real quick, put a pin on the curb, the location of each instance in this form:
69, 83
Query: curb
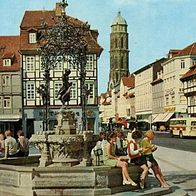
157, 191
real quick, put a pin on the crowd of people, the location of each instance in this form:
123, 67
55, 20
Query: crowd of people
137, 148
13, 147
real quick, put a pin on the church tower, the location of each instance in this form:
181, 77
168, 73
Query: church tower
119, 52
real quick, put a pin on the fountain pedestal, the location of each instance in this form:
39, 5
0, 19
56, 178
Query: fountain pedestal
62, 146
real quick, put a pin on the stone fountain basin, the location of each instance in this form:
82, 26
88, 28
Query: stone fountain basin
29, 180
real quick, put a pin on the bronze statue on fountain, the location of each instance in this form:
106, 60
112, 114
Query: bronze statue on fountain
65, 90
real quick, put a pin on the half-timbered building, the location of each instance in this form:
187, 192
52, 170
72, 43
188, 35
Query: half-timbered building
33, 74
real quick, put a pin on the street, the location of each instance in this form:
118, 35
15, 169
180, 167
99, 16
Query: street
164, 139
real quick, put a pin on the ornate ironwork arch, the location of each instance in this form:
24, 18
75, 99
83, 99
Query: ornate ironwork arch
63, 42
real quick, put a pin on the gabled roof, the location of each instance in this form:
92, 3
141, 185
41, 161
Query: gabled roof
9, 47
190, 73
129, 81
35, 19
189, 50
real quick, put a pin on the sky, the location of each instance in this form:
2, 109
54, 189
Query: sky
154, 26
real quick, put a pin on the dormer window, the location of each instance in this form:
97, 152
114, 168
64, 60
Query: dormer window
6, 62
32, 38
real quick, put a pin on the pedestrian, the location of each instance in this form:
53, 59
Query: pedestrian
2, 144
110, 159
10, 145
134, 151
23, 144
148, 149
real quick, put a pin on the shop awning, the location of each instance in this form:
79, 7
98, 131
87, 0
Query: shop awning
10, 118
167, 116
164, 117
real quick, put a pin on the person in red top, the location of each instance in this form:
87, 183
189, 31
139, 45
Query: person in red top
134, 152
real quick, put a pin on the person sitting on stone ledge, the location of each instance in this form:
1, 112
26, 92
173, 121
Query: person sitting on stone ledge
110, 159
10, 145
23, 144
119, 143
134, 151
97, 151
148, 149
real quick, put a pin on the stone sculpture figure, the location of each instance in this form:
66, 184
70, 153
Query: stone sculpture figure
65, 90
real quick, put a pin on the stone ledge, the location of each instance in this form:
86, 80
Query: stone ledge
76, 180
21, 160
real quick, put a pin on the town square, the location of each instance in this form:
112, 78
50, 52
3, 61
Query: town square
97, 97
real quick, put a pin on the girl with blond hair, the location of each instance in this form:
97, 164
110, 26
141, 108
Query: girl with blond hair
148, 149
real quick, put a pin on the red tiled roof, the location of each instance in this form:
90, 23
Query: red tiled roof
9, 47
129, 81
34, 19
190, 73
189, 50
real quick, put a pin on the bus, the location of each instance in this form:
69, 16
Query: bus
183, 127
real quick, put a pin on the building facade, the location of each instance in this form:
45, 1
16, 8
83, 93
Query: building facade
174, 68
143, 93
119, 51
10, 84
32, 72
189, 88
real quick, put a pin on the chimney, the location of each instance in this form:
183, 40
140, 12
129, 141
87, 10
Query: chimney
58, 9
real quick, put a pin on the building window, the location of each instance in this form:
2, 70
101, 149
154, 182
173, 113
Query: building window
32, 38
59, 63
6, 62
194, 62
89, 63
6, 80
30, 91
122, 42
182, 64
116, 42
69, 63
167, 100
121, 62
173, 99
90, 87
193, 100
30, 63
73, 93
1, 102
59, 66
57, 87
182, 99
7, 102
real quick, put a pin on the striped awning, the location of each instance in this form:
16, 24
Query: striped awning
164, 117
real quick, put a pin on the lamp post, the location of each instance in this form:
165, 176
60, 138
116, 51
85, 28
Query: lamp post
63, 41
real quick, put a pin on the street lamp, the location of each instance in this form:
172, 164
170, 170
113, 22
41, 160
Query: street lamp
63, 42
